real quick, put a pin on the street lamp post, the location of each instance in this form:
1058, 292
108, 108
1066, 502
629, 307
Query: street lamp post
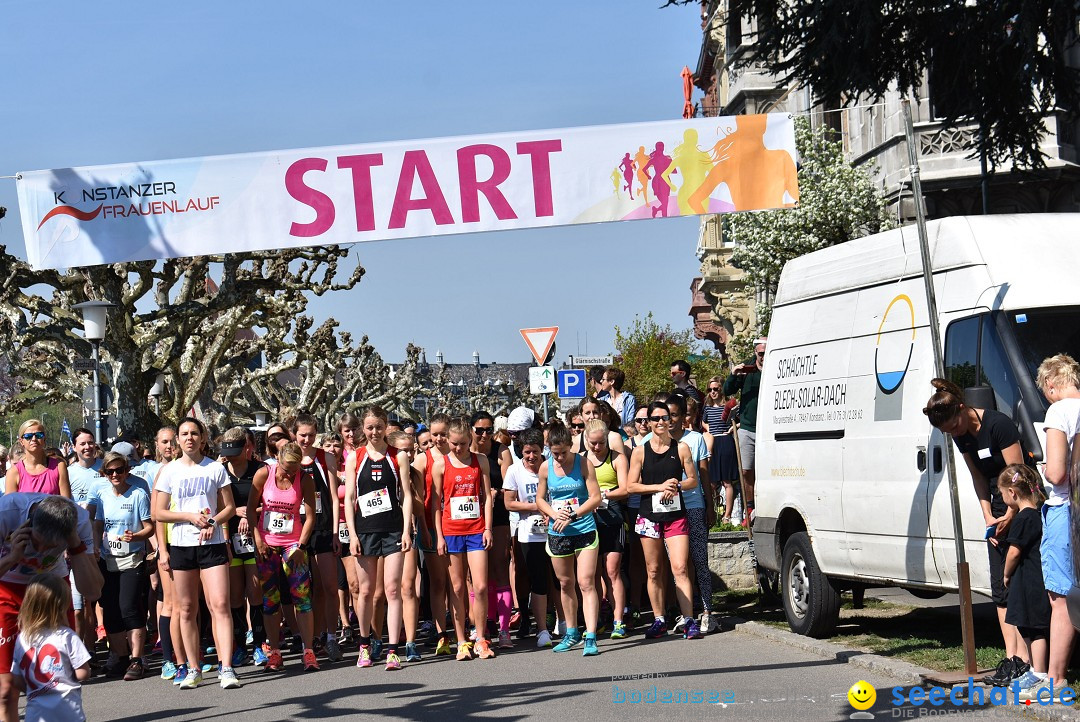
156, 391
94, 319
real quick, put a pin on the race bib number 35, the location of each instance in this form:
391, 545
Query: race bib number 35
464, 507
278, 522
375, 502
660, 504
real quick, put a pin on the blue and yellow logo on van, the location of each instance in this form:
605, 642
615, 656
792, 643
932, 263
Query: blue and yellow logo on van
894, 346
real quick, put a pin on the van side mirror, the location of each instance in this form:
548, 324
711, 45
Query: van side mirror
980, 397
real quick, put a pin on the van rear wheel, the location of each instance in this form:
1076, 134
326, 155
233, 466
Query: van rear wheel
811, 603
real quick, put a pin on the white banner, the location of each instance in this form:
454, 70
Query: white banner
256, 201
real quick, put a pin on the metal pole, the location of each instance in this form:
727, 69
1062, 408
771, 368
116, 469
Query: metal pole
967, 628
97, 395
545, 408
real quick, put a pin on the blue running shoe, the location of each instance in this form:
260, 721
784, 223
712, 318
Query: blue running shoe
181, 672
591, 649
376, 649
260, 656
657, 630
239, 657
571, 639
411, 653
168, 670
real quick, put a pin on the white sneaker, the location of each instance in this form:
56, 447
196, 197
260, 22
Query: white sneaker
227, 679
680, 624
708, 623
543, 639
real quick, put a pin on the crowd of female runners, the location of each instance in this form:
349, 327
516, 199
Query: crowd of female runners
306, 539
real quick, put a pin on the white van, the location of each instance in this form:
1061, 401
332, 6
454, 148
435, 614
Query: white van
851, 488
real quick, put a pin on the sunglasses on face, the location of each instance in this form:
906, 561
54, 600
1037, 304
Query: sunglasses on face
577, 426
481, 430
115, 471
714, 388
660, 419
39, 435
641, 420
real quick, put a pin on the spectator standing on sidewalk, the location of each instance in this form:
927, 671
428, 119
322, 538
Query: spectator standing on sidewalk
745, 380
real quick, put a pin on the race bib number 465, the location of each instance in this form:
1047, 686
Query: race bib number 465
375, 502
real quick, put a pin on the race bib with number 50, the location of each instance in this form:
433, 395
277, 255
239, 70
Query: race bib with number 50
343, 532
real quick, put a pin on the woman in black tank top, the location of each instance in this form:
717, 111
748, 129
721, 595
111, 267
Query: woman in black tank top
238, 448
660, 469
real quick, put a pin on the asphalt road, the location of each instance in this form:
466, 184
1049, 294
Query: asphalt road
751, 678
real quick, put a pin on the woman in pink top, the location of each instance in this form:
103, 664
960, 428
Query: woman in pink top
281, 545
36, 471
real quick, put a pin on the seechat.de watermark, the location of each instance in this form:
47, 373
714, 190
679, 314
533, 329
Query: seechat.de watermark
914, 702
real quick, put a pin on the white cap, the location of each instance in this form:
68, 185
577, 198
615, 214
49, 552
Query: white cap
520, 419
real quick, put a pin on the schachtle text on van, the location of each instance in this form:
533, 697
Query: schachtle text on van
797, 366
809, 397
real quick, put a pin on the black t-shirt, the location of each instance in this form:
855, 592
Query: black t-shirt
996, 434
241, 488
323, 515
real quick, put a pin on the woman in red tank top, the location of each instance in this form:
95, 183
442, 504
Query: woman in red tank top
462, 489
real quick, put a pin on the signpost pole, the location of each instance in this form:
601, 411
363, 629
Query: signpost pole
97, 395
545, 408
967, 628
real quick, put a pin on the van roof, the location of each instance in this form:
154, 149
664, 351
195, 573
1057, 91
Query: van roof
1015, 248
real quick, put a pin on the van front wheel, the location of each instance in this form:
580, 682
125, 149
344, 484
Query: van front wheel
811, 603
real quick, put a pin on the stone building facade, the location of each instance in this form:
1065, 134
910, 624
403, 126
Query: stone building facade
872, 132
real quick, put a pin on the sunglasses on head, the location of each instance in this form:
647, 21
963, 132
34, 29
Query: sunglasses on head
39, 435
481, 430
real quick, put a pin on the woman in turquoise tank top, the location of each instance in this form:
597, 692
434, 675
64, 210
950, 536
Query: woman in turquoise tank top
568, 494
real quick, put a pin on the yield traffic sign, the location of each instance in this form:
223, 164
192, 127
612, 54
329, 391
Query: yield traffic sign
539, 341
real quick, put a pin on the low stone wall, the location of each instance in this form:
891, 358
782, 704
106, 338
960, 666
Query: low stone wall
730, 561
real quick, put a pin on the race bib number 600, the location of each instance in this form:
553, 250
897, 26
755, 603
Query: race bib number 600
464, 507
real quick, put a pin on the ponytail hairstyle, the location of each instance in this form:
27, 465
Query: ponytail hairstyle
1024, 480
558, 434
946, 403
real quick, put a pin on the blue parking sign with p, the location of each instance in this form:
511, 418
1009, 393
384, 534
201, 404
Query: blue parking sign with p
571, 383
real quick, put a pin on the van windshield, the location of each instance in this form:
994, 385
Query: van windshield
1043, 332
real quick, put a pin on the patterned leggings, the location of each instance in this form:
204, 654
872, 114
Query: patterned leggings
699, 555
294, 563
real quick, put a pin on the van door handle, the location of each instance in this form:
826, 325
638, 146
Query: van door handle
937, 459
920, 459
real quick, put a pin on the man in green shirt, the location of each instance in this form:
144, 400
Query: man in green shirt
746, 381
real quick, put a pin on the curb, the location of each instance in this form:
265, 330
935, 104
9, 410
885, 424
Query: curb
908, 673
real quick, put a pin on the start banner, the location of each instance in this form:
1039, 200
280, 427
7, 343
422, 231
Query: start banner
379, 191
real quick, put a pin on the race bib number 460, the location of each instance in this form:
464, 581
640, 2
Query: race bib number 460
464, 507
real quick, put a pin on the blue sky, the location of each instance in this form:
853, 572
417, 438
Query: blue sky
98, 83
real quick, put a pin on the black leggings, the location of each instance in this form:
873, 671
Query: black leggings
123, 598
539, 564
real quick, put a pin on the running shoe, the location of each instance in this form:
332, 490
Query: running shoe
543, 639
692, 630
411, 653
239, 657
249, 638
484, 650
376, 649
524, 626
168, 670
260, 655
464, 651
116, 666
1043, 692
657, 630
571, 639
211, 650
708, 623
504, 640
227, 679
192, 680
393, 662
311, 662
680, 624
1029, 680
206, 667
515, 619
443, 647
181, 673
346, 636
135, 671
317, 643
274, 662
333, 650
591, 649
364, 660
426, 630
618, 631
